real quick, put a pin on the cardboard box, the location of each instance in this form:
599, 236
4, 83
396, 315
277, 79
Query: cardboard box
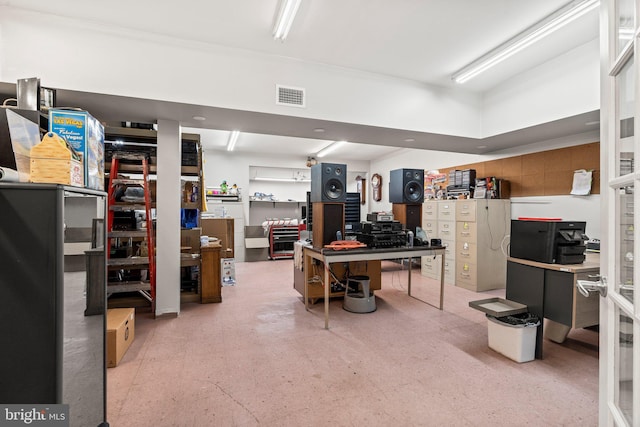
54, 161
120, 333
190, 238
86, 135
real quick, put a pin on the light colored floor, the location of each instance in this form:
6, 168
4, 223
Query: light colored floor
258, 358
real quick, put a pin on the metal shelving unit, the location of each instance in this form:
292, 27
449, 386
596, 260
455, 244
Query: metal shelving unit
281, 240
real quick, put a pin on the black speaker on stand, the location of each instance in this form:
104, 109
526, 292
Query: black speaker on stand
328, 195
406, 186
328, 183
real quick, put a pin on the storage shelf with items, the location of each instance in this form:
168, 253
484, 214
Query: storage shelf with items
192, 202
130, 231
281, 240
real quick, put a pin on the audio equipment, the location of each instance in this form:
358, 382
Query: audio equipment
383, 240
309, 212
328, 220
409, 215
352, 213
379, 216
406, 186
436, 242
381, 227
328, 182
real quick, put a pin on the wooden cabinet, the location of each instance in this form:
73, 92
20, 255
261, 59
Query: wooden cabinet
210, 274
473, 232
223, 229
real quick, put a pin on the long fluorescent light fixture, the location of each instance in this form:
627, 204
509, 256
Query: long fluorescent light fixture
330, 148
288, 10
259, 178
233, 138
548, 25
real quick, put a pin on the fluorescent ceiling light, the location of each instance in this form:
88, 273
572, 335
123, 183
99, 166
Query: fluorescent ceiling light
233, 138
328, 149
548, 25
259, 178
288, 10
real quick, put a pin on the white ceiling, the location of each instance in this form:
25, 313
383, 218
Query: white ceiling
420, 40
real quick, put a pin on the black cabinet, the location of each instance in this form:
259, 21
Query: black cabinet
52, 353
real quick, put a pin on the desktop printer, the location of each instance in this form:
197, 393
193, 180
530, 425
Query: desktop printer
548, 241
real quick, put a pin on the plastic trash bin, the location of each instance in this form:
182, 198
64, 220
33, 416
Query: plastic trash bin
514, 336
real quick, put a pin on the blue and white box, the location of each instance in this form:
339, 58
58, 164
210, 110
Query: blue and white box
86, 135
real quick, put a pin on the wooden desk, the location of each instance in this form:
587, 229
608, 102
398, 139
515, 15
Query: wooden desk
328, 256
550, 292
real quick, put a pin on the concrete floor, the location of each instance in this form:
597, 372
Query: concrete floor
258, 358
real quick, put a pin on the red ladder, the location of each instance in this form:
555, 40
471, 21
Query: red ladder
133, 262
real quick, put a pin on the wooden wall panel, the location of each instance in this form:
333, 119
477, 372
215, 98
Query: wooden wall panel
533, 164
546, 173
585, 157
512, 166
493, 168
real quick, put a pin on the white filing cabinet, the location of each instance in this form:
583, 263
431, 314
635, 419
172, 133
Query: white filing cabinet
439, 221
481, 227
473, 232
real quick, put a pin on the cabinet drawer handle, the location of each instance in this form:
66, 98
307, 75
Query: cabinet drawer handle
467, 254
465, 275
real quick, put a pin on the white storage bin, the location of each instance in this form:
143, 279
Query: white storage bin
517, 342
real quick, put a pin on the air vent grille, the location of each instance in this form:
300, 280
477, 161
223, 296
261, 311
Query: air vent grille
291, 96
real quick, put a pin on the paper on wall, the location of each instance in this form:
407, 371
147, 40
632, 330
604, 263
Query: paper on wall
581, 182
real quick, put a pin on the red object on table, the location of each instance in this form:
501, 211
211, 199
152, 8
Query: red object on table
526, 218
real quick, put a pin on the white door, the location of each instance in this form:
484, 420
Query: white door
620, 307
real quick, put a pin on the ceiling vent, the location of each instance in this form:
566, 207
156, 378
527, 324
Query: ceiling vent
291, 96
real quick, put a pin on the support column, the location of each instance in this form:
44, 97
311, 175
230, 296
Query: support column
168, 218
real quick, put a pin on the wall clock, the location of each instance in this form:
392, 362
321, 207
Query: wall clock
376, 187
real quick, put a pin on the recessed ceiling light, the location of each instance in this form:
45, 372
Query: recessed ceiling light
200, 118
409, 140
319, 130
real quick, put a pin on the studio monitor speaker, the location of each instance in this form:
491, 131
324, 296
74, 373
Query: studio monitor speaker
329, 182
406, 186
328, 219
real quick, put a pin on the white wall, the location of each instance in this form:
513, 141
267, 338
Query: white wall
569, 208
94, 58
234, 168
563, 87
91, 57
